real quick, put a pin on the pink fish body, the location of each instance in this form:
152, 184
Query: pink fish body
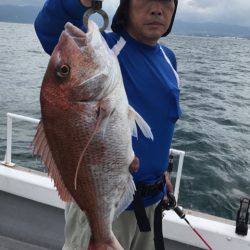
84, 137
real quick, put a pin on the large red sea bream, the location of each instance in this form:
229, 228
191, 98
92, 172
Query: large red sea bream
84, 137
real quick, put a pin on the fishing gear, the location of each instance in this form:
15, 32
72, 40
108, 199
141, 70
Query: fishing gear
242, 217
172, 204
167, 204
96, 7
170, 163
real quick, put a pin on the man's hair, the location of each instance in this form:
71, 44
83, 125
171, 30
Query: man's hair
120, 19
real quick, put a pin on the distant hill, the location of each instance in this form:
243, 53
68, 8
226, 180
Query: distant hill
22, 2
18, 14
210, 29
27, 12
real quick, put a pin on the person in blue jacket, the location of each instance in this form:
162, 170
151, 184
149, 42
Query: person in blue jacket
152, 86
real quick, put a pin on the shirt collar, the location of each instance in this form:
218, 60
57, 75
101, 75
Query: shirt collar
129, 38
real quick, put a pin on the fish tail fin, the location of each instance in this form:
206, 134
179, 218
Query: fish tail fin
112, 244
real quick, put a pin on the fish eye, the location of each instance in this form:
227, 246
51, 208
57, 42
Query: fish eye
63, 71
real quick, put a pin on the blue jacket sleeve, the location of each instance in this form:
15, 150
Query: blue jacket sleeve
50, 21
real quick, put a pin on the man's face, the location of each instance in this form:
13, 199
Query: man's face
150, 19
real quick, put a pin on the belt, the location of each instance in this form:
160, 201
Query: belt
150, 189
143, 190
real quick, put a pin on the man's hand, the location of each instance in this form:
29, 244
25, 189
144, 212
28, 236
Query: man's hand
168, 183
169, 187
86, 3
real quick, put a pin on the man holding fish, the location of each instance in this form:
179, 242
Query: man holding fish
151, 84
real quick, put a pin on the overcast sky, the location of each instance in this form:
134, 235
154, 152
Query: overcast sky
222, 11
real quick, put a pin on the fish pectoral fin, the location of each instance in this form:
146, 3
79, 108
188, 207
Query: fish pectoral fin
105, 121
41, 148
103, 113
142, 124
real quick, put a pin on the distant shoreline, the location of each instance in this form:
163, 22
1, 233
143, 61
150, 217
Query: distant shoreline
27, 13
173, 33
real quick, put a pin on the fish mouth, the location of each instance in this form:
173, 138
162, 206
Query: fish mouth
81, 38
77, 35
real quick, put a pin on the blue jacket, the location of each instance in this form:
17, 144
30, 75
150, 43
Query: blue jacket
150, 83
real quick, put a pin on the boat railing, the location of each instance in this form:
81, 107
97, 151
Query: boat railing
8, 155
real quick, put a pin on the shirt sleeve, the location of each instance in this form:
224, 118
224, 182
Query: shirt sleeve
50, 21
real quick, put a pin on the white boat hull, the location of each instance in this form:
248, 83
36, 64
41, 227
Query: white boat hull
220, 233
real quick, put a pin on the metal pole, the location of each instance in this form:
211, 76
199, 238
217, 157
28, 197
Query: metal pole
10, 116
23, 118
179, 174
7, 161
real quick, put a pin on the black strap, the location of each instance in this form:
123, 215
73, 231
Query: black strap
170, 203
143, 222
140, 213
143, 190
158, 236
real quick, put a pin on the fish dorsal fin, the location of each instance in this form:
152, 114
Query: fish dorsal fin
144, 127
41, 148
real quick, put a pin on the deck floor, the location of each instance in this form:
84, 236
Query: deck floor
29, 225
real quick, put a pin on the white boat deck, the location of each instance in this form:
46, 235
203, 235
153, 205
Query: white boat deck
25, 224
